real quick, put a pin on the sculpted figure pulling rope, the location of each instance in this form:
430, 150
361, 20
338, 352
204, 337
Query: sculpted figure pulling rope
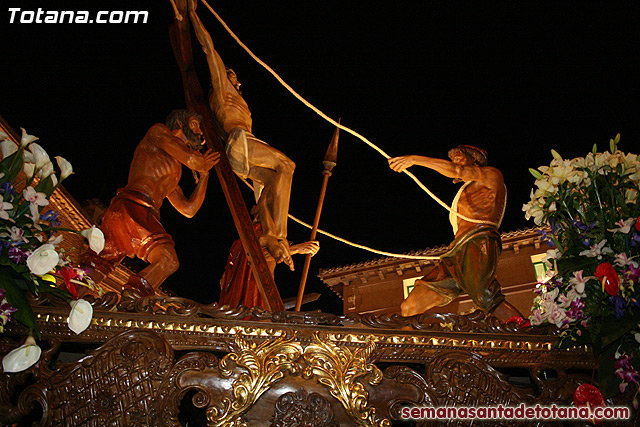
470, 263
269, 169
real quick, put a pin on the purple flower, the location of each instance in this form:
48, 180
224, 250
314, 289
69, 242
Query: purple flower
618, 306
5, 311
52, 217
7, 188
576, 309
546, 237
632, 273
17, 255
624, 371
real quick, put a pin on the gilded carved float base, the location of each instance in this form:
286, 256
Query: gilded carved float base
172, 362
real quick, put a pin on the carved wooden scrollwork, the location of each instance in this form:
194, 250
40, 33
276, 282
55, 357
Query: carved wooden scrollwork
340, 369
465, 379
302, 409
112, 386
262, 365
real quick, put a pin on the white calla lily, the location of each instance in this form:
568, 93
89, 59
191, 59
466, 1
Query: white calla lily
40, 157
47, 169
8, 148
3, 135
26, 138
65, 167
95, 237
23, 357
43, 260
29, 169
80, 315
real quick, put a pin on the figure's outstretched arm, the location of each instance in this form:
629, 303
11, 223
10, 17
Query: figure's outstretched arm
447, 168
216, 65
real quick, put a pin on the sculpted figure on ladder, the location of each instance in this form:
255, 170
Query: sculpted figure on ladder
470, 263
269, 169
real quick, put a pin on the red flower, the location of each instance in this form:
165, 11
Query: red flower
69, 273
609, 278
590, 396
638, 224
519, 320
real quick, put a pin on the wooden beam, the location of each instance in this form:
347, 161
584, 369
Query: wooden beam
181, 42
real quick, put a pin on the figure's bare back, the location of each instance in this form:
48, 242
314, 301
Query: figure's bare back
152, 170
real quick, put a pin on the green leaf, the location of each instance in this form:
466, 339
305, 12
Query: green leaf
45, 186
608, 384
15, 297
594, 150
613, 330
617, 138
535, 173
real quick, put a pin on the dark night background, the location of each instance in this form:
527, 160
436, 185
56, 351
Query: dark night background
516, 78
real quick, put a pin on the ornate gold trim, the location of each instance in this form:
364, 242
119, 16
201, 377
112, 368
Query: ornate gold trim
339, 369
263, 366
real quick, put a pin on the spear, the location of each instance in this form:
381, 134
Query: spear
329, 163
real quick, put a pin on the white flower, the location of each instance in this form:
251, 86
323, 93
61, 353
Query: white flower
65, 168
578, 281
23, 357
550, 258
622, 260
623, 226
43, 260
29, 169
631, 195
46, 170
95, 237
26, 138
40, 157
4, 207
80, 316
35, 197
546, 186
16, 234
597, 250
55, 240
3, 135
637, 336
8, 148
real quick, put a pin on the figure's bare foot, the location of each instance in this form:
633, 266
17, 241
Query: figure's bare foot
420, 300
279, 249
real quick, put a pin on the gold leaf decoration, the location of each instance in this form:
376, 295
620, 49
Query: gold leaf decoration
263, 365
339, 369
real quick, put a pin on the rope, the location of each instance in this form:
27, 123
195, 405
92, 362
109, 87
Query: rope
355, 245
336, 124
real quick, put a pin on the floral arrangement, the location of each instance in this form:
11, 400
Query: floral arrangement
30, 236
590, 208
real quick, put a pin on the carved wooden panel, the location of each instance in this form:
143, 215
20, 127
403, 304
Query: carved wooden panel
166, 362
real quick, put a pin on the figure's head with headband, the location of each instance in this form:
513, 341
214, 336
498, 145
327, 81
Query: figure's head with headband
478, 155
